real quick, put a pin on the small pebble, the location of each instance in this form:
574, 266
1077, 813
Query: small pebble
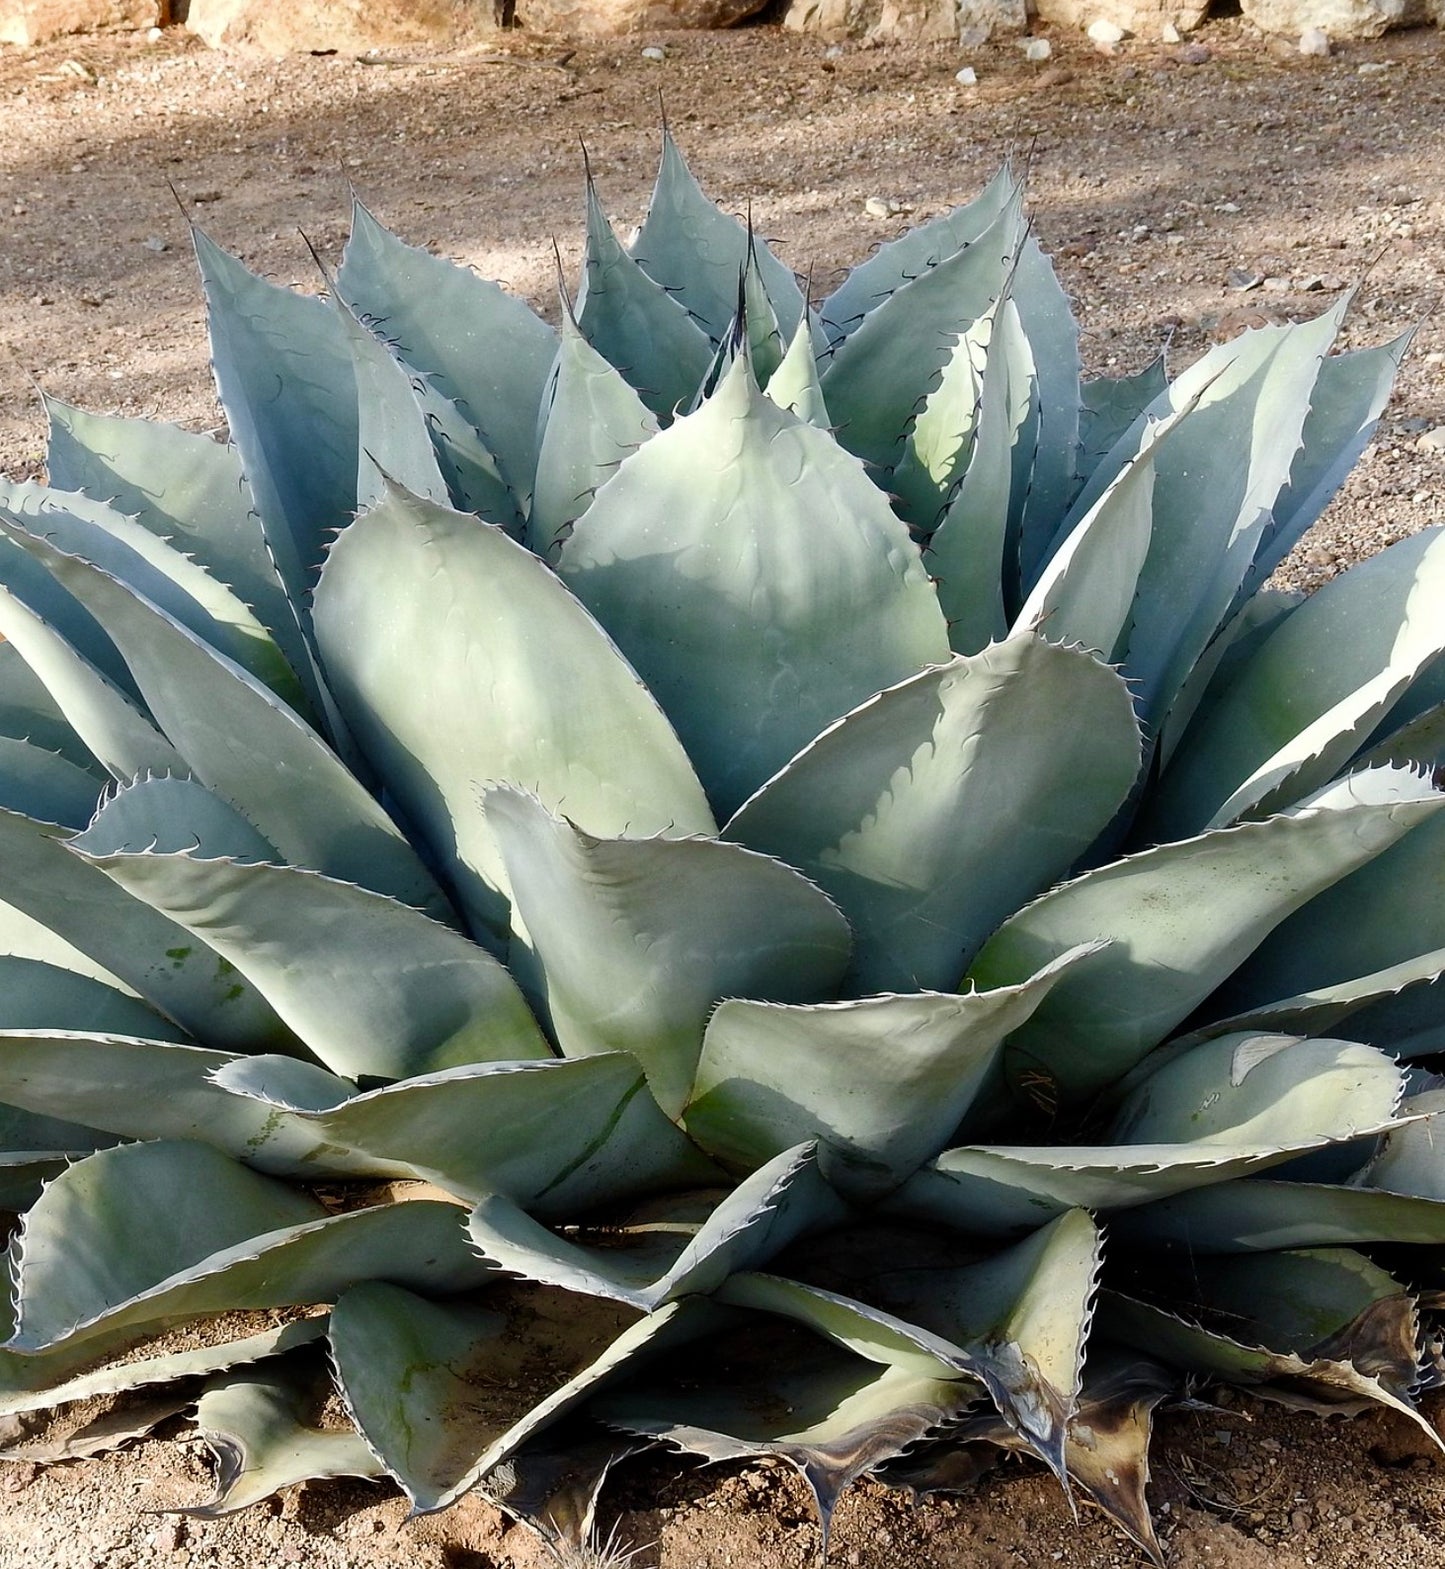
1104, 31
833, 52
154, 35
169, 1536
1037, 49
1432, 440
1194, 54
19, 1476
1277, 285
1315, 41
1372, 68
654, 52
967, 77
880, 207
1170, 34
156, 244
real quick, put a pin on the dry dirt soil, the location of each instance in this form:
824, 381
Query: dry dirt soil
1163, 179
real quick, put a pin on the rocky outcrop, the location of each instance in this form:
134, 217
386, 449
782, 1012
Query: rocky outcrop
908, 21
833, 18
1142, 18
355, 26
973, 21
35, 21
350, 26
1337, 19
603, 18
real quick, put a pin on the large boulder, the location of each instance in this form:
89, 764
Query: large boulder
605, 18
1145, 18
908, 21
35, 21
280, 27
1337, 18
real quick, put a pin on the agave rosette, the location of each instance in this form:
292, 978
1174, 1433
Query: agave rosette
777, 821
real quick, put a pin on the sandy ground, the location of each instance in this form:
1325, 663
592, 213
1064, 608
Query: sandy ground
1162, 179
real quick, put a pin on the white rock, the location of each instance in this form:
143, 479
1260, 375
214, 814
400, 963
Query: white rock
1337, 18
1103, 31
1037, 49
878, 207
998, 16
1315, 41
300, 25
36, 21
969, 22
1170, 34
1138, 18
654, 52
1432, 440
967, 77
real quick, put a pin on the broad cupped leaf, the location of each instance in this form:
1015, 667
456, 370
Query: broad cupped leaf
165, 575
677, 1248
255, 1427
1181, 918
188, 490
631, 943
882, 1082
1313, 693
895, 810
245, 743
371, 986
780, 593
460, 662
239, 1241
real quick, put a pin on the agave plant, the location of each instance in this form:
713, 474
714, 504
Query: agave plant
662, 880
